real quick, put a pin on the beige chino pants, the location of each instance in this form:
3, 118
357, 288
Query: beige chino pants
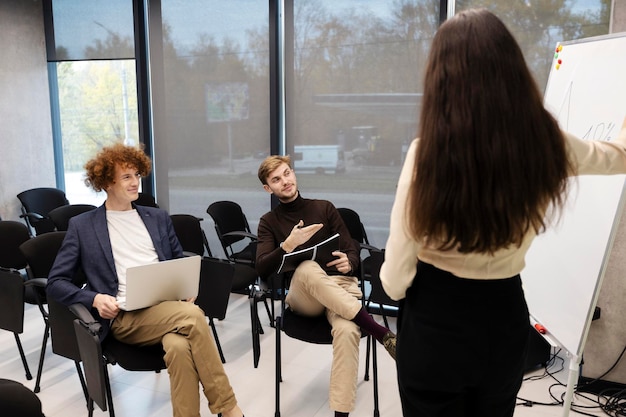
312, 293
191, 355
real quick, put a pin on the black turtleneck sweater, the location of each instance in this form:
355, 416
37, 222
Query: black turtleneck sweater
275, 226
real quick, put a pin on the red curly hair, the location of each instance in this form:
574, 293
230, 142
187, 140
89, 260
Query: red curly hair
101, 169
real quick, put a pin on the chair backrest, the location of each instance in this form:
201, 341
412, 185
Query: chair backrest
146, 200
216, 280
18, 400
12, 235
377, 294
353, 222
39, 202
190, 234
40, 253
11, 300
229, 217
61, 216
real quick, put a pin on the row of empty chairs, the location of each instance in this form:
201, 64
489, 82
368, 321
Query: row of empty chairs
46, 209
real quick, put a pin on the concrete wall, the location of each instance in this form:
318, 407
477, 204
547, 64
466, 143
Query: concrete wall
607, 336
25, 127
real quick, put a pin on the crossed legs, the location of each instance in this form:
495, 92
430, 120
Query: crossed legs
191, 355
312, 293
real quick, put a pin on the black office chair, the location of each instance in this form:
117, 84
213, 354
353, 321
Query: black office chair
239, 245
311, 330
16, 289
190, 234
40, 252
12, 235
378, 302
37, 204
352, 220
97, 355
17, 400
12, 290
216, 275
216, 279
61, 216
146, 200
233, 231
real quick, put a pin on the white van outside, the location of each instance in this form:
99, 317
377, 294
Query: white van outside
319, 159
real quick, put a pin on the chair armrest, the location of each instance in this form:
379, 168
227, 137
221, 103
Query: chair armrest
83, 314
36, 282
242, 233
32, 216
365, 246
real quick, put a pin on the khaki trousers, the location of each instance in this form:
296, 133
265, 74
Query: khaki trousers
312, 293
191, 355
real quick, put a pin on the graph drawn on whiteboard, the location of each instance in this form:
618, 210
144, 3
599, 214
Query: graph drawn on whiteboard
605, 130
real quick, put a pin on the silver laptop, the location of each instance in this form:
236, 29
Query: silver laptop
147, 285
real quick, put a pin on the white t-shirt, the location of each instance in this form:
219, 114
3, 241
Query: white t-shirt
131, 244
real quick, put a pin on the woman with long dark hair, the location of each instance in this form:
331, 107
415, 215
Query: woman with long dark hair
488, 172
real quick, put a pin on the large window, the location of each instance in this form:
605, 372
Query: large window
353, 98
216, 107
212, 100
97, 107
538, 25
93, 84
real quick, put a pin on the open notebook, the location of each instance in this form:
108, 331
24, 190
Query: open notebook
175, 279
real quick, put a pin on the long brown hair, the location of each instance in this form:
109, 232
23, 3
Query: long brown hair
490, 158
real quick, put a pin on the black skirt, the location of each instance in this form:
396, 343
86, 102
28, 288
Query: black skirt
461, 345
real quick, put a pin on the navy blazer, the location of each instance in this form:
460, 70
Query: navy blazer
87, 245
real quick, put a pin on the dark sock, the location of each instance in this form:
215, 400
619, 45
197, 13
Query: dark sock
367, 323
340, 414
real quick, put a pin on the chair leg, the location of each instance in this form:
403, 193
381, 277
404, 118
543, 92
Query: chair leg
42, 355
385, 321
107, 383
90, 407
270, 314
375, 372
256, 330
272, 319
278, 377
217, 340
29, 376
367, 358
83, 384
256, 296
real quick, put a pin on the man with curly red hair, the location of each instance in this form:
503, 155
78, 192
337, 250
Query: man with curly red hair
120, 234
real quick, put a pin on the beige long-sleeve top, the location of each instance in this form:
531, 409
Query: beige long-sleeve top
402, 251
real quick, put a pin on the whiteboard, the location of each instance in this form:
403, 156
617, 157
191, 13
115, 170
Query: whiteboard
586, 92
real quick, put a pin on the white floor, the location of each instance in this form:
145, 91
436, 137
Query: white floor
304, 390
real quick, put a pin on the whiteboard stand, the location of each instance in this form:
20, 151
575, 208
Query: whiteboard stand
572, 380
